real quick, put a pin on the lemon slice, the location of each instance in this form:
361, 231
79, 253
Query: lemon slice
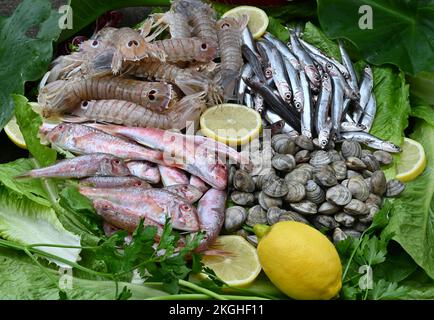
240, 266
12, 129
232, 124
412, 161
258, 19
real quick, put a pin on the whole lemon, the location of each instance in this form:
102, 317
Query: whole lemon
300, 261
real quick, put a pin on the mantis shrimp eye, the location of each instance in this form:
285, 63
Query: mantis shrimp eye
132, 43
225, 26
203, 47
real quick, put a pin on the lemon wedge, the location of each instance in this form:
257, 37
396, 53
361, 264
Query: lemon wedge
232, 124
240, 266
412, 161
258, 19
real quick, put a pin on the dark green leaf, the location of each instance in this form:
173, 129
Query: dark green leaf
384, 290
412, 221
22, 58
29, 122
125, 294
425, 113
315, 36
421, 87
401, 31
84, 12
276, 28
397, 267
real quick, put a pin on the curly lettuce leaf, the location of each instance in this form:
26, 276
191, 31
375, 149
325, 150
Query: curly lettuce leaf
23, 58
22, 279
412, 219
424, 112
30, 188
401, 32
26, 222
29, 123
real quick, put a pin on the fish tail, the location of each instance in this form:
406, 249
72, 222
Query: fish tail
25, 175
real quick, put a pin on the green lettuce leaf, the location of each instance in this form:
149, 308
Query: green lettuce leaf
30, 188
421, 87
412, 220
27, 222
29, 123
401, 32
424, 112
22, 58
315, 36
22, 279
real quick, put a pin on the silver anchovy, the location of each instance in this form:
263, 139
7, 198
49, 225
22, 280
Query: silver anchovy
247, 39
246, 71
306, 112
279, 76
371, 141
312, 49
348, 126
271, 118
369, 114
254, 60
258, 102
284, 50
322, 110
305, 60
337, 104
346, 60
366, 86
294, 81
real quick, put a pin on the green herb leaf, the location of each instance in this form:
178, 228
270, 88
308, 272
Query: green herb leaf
412, 221
401, 31
29, 122
276, 28
23, 58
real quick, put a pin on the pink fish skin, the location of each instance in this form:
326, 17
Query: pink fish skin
172, 176
144, 170
97, 164
211, 213
114, 182
199, 184
153, 204
186, 191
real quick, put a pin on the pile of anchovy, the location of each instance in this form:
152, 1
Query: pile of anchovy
313, 94
336, 191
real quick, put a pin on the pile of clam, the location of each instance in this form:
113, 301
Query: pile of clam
334, 191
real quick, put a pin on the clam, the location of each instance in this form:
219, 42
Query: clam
242, 181
263, 179
283, 162
325, 176
355, 163
234, 218
338, 235
365, 152
231, 173
339, 195
275, 188
293, 216
319, 158
267, 202
314, 192
352, 233
378, 182
297, 175
351, 149
394, 187
243, 198
340, 169
296, 192
336, 156
273, 215
302, 156
305, 167
304, 142
345, 219
383, 157
322, 221
358, 188
304, 207
256, 215
373, 200
366, 173
328, 208
281, 143
371, 162
352, 173
356, 207
370, 216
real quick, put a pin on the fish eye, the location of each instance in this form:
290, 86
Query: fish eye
329, 66
138, 184
95, 43
184, 188
84, 104
116, 161
225, 26
297, 105
185, 207
288, 96
222, 166
203, 46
